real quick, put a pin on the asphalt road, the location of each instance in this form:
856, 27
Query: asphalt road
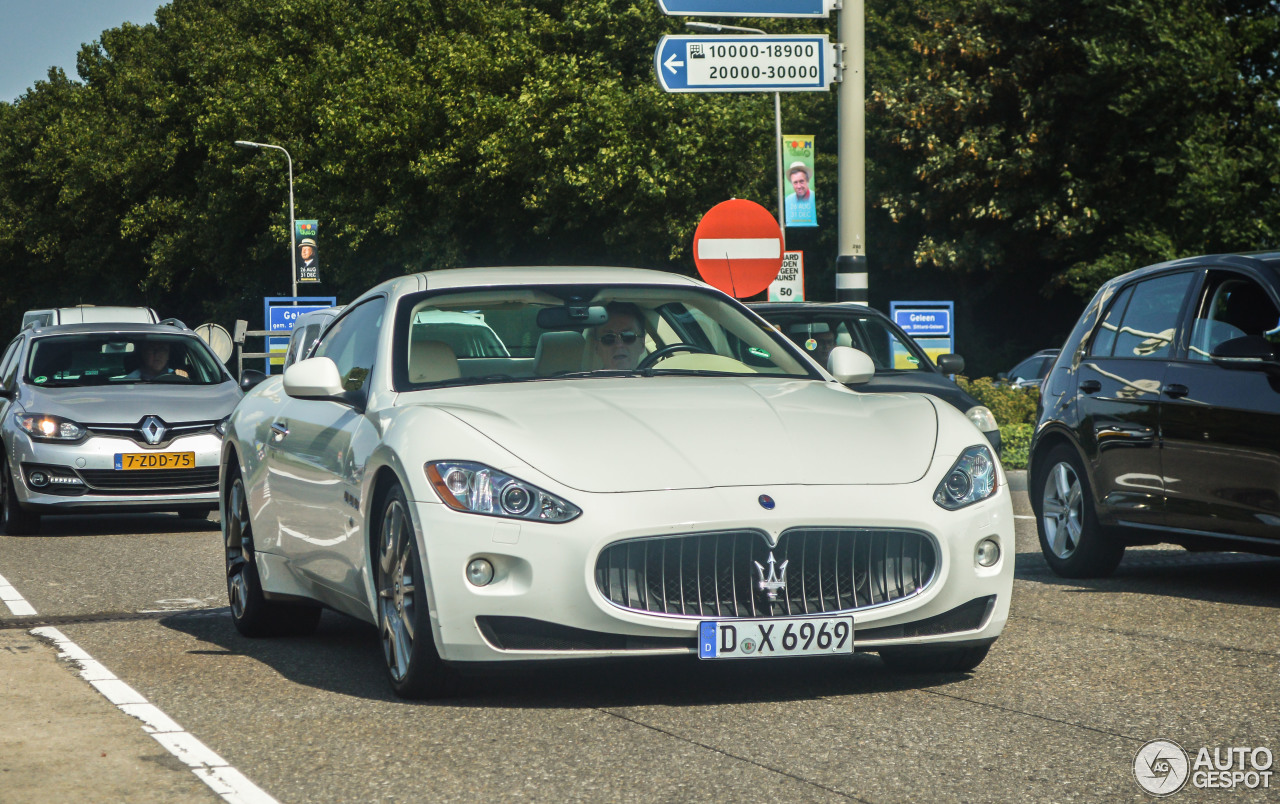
1175, 646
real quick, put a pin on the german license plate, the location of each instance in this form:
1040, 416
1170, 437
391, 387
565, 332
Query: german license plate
156, 460
777, 636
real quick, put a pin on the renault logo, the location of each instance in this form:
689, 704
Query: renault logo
153, 429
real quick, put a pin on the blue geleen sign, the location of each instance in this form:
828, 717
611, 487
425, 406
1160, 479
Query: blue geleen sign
918, 321
746, 8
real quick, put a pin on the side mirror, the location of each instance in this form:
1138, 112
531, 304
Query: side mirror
316, 378
249, 378
850, 366
5, 393
1247, 353
951, 364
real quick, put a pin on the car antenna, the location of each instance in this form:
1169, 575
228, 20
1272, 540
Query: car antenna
732, 287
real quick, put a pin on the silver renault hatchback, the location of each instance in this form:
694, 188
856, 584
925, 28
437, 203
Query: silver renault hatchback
109, 417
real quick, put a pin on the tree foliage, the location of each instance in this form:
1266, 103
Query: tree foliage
1028, 145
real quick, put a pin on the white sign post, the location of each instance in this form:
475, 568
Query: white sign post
789, 286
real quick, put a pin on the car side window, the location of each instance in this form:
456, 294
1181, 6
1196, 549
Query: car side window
9, 363
352, 343
1105, 339
1231, 306
1151, 319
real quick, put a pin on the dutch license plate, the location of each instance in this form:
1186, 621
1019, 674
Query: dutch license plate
156, 460
777, 636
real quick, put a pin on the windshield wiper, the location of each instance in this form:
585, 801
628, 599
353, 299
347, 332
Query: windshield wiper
58, 384
485, 379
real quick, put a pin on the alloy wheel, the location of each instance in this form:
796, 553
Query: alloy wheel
397, 589
239, 543
1062, 510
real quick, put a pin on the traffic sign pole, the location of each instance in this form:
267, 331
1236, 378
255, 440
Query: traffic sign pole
851, 259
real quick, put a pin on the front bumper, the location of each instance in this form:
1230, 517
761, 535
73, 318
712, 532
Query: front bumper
87, 480
544, 601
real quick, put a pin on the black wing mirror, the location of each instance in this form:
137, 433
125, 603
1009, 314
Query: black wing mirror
1247, 353
249, 378
951, 364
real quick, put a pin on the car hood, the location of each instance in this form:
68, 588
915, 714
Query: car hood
641, 434
127, 404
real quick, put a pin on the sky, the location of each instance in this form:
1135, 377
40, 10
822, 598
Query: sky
38, 34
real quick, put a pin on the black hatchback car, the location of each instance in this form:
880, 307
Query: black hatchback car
1160, 420
901, 365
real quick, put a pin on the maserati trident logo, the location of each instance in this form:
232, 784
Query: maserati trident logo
776, 580
153, 429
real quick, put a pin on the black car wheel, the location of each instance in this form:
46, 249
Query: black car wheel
1073, 543
404, 622
924, 659
252, 613
14, 521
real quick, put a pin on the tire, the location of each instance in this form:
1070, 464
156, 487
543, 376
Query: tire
404, 621
1071, 539
252, 613
921, 659
14, 521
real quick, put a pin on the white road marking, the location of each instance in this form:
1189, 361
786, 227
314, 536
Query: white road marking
213, 770
16, 603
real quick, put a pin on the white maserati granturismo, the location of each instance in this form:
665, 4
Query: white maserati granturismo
646, 467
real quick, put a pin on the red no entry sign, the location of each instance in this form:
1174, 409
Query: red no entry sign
738, 247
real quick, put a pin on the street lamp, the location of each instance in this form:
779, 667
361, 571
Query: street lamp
715, 27
293, 250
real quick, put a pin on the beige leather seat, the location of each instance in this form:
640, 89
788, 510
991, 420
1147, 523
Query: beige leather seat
558, 351
432, 361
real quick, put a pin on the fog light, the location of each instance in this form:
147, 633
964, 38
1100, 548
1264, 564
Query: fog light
480, 572
38, 479
987, 553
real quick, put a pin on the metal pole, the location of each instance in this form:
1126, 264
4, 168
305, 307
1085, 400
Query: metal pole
782, 188
293, 232
293, 246
851, 261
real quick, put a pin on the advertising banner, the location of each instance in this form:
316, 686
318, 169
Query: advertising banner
308, 252
797, 155
789, 286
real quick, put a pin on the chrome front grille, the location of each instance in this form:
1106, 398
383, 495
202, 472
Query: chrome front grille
720, 574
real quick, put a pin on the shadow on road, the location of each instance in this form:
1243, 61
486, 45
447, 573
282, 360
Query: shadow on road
120, 525
345, 657
1240, 579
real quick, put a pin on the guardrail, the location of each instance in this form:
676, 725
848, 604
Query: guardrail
243, 332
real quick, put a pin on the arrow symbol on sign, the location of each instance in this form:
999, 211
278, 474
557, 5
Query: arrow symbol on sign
671, 63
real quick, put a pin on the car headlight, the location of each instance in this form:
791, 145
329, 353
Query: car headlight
49, 428
972, 478
221, 427
982, 418
479, 489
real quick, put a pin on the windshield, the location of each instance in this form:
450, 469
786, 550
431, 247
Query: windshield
522, 334
120, 358
818, 332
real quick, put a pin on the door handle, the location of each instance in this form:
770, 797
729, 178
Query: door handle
1176, 390
1091, 386
279, 430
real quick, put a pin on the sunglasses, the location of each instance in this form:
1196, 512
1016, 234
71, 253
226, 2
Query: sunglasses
609, 338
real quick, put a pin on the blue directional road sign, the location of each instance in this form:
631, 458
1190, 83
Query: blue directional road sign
747, 8
794, 63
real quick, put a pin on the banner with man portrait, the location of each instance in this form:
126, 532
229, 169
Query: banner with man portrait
308, 256
799, 206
